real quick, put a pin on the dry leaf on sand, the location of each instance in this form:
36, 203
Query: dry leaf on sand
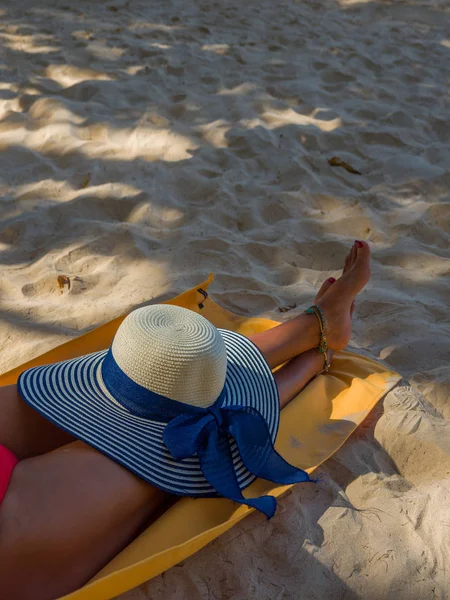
337, 162
62, 281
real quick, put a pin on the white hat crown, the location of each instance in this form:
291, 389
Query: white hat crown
173, 352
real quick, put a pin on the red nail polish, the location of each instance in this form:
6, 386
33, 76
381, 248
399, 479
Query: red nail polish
359, 244
332, 280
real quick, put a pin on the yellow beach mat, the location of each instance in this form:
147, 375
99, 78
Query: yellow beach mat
312, 428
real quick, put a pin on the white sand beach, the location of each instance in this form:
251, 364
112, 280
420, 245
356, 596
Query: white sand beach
146, 144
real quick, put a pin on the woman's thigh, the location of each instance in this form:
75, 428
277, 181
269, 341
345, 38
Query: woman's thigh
24, 431
64, 516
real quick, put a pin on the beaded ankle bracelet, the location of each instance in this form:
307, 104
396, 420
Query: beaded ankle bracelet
323, 344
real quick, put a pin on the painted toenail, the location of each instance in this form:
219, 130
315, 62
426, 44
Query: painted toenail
332, 280
359, 243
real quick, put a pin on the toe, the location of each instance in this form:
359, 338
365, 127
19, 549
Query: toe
353, 254
362, 253
324, 287
352, 308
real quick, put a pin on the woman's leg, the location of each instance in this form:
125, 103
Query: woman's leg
65, 515
297, 373
24, 431
301, 334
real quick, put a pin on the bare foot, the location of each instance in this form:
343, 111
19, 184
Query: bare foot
336, 299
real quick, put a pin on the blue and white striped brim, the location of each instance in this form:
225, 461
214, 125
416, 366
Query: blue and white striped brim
71, 394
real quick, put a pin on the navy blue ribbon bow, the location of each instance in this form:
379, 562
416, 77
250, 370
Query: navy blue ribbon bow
207, 435
206, 432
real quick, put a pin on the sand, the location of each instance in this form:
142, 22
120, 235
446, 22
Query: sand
143, 145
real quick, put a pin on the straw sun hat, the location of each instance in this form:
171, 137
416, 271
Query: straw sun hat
192, 409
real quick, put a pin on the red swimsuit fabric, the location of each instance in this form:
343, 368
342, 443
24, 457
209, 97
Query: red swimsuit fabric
7, 463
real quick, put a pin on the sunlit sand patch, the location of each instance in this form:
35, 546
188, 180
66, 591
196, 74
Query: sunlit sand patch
157, 216
53, 110
278, 118
67, 75
145, 142
387, 351
220, 49
42, 193
31, 44
141, 26
53, 191
55, 131
124, 144
159, 46
135, 69
244, 88
214, 133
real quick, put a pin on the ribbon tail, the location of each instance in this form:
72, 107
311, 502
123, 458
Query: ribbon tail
257, 451
216, 462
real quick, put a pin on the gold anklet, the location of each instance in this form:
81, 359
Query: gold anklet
323, 344
326, 365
